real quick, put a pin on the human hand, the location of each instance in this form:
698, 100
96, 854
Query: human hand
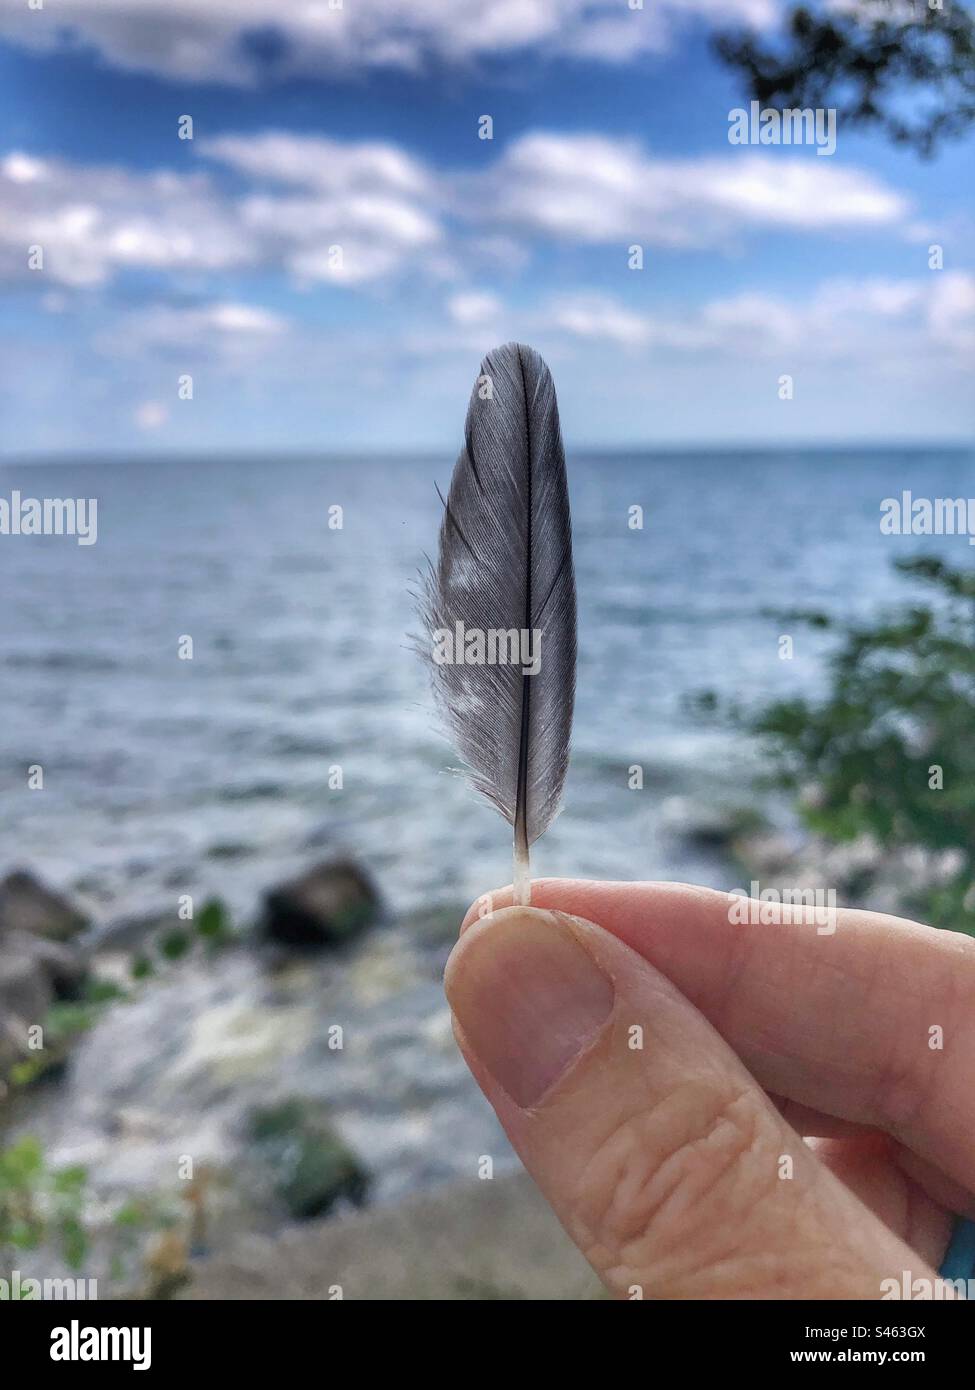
657, 1066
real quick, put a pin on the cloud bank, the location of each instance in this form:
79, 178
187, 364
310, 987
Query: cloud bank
240, 41
354, 213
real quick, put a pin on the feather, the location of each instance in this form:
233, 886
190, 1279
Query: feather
505, 568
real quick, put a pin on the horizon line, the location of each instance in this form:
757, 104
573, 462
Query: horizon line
311, 453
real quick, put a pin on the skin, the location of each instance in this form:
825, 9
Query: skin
726, 1110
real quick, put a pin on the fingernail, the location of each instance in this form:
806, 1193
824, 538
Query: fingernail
529, 999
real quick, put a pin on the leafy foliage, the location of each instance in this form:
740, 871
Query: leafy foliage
901, 704
41, 1205
862, 60
209, 929
37, 1202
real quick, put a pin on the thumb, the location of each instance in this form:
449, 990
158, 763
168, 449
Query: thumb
663, 1158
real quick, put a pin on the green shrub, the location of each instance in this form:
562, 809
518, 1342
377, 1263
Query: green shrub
889, 750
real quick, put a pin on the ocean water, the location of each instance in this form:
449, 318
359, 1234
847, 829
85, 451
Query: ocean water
163, 775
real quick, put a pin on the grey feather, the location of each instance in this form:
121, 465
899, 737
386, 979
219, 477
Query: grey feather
505, 562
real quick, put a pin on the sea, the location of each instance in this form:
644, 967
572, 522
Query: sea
222, 689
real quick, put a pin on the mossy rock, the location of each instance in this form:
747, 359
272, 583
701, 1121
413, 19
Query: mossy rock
315, 1168
327, 906
721, 827
27, 905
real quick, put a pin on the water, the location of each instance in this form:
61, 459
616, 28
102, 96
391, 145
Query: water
163, 776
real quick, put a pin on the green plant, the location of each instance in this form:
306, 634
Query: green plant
910, 75
38, 1202
211, 929
889, 749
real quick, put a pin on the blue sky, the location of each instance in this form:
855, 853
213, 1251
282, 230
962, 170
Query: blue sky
356, 126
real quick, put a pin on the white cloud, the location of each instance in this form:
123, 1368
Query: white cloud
93, 222
750, 319
238, 40
238, 318
391, 213
355, 213
183, 327
887, 349
590, 189
224, 331
347, 240
951, 311
883, 298
866, 321
599, 317
472, 308
332, 167
360, 210
349, 213
21, 168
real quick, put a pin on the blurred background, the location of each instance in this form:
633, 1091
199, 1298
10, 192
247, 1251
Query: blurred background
273, 250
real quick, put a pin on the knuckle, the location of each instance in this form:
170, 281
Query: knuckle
668, 1183
909, 1082
899, 1096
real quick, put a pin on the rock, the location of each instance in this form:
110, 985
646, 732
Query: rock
327, 906
314, 1168
765, 855
25, 989
26, 995
230, 849
713, 826
27, 906
131, 933
35, 975
861, 872
63, 967
38, 965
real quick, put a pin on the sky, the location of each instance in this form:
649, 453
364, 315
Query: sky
324, 263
